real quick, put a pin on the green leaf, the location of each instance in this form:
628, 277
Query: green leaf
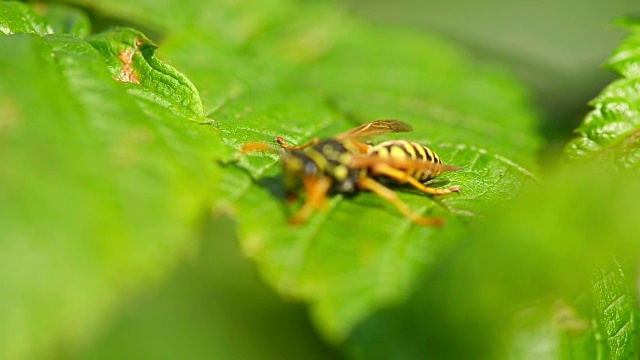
610, 131
541, 246
602, 325
615, 313
16, 17
304, 71
99, 199
65, 19
212, 308
130, 58
360, 254
127, 167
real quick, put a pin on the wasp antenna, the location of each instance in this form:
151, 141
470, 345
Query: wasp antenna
283, 144
256, 147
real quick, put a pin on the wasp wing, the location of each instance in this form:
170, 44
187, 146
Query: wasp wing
374, 128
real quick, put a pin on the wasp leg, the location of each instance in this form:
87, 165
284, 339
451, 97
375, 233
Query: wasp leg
369, 161
255, 147
280, 140
390, 196
362, 147
316, 189
403, 177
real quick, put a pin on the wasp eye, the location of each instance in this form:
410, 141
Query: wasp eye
310, 168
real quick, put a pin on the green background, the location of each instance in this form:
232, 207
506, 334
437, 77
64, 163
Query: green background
131, 228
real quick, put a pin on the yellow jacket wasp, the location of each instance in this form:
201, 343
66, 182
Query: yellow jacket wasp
345, 165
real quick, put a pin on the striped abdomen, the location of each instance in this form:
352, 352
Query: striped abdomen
411, 150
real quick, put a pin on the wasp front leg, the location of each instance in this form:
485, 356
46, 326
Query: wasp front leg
316, 189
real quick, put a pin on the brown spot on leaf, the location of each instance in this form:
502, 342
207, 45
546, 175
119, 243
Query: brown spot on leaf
137, 42
128, 74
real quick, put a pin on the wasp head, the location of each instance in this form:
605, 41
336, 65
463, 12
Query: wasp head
296, 166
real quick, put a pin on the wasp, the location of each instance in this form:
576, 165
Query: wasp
345, 164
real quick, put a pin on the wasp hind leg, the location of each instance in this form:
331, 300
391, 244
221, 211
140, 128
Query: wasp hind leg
389, 195
403, 177
316, 189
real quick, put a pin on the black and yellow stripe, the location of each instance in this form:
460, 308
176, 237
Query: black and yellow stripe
410, 150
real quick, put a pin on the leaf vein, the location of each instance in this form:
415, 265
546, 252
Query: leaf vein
615, 301
621, 328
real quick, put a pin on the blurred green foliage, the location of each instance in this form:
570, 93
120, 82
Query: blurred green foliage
547, 257
556, 47
130, 228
